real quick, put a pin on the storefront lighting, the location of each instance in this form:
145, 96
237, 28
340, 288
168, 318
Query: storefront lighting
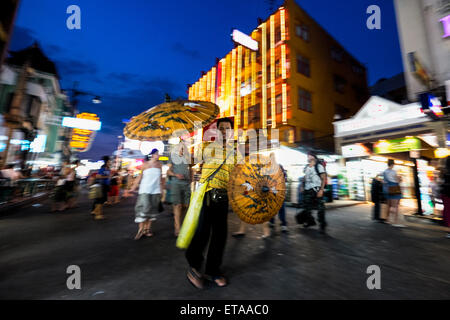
264, 75
398, 162
213, 85
246, 76
376, 158
272, 71
441, 153
239, 81
208, 86
223, 84
284, 102
253, 62
233, 81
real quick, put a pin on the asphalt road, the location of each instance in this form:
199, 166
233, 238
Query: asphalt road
37, 246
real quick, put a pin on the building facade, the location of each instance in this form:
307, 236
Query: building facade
299, 80
424, 31
32, 106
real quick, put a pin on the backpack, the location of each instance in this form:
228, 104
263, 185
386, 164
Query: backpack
316, 166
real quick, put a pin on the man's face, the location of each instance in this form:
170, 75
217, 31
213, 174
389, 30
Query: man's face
311, 158
223, 127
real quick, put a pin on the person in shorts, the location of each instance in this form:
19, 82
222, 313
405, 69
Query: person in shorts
150, 184
180, 188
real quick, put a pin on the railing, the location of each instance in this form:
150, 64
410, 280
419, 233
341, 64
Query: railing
13, 191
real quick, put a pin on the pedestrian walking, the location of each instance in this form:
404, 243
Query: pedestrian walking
103, 178
445, 194
243, 227
392, 193
212, 225
377, 197
72, 184
113, 195
150, 184
313, 189
180, 185
282, 212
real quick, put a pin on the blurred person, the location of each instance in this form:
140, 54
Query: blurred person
445, 193
243, 227
113, 193
103, 178
212, 225
72, 184
376, 193
313, 189
60, 195
10, 173
150, 184
282, 212
124, 182
392, 193
180, 190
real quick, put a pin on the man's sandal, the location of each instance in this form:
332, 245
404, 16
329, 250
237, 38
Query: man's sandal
194, 278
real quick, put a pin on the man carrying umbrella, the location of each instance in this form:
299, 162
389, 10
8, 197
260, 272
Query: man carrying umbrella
212, 224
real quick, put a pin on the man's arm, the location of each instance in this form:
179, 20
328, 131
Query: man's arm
322, 186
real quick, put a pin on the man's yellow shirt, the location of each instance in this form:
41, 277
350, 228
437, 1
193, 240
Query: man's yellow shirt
213, 155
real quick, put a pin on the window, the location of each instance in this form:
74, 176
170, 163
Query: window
339, 83
277, 69
303, 66
277, 35
307, 136
304, 100
302, 31
253, 113
337, 54
279, 104
269, 108
357, 69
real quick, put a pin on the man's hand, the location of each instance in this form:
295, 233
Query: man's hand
179, 176
320, 193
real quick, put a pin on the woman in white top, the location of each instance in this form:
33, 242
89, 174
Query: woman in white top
150, 184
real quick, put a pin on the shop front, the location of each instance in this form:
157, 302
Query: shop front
384, 130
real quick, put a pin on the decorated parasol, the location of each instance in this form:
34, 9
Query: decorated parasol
171, 119
256, 191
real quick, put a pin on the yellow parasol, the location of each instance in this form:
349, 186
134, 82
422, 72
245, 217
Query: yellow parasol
256, 191
170, 119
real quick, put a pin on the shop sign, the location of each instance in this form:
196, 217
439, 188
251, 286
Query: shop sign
397, 145
355, 150
414, 154
245, 40
441, 153
379, 113
85, 121
85, 125
431, 106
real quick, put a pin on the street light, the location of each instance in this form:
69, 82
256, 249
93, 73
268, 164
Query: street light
96, 100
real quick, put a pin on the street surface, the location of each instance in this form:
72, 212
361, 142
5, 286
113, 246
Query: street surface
37, 246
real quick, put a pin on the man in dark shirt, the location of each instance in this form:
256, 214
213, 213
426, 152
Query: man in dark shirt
377, 195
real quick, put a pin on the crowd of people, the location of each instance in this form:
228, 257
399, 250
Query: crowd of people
209, 239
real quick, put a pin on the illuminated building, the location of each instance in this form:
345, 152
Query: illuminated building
298, 80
